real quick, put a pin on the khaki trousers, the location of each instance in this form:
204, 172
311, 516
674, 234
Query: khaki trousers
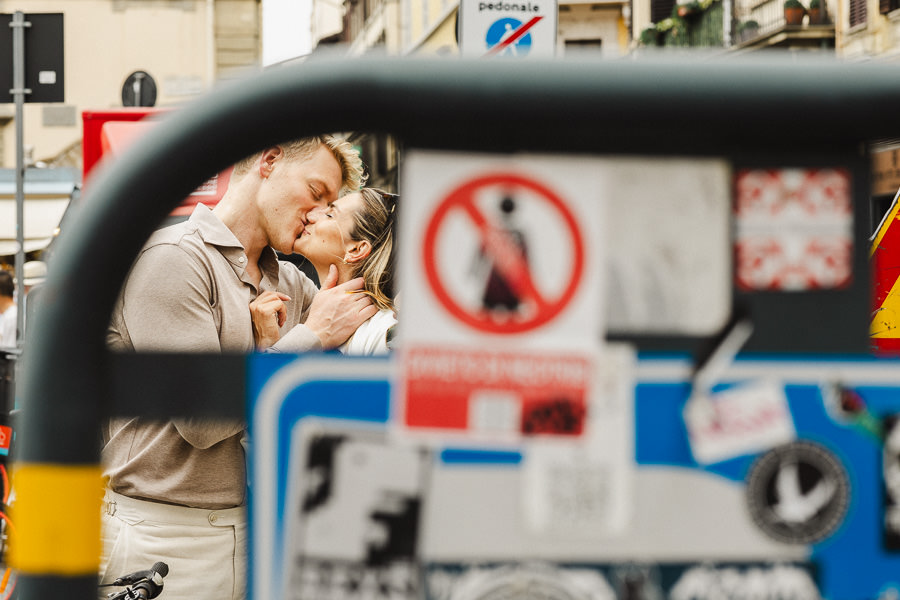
206, 550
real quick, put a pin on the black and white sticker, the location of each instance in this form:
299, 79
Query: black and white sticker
891, 473
798, 493
525, 580
355, 510
621, 581
733, 582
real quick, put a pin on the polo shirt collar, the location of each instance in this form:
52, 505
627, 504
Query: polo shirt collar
213, 231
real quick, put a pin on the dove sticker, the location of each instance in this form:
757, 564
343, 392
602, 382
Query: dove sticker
798, 493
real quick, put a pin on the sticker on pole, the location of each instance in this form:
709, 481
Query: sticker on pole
496, 394
508, 252
502, 293
501, 301
794, 229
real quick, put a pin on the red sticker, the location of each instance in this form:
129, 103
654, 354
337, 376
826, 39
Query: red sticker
528, 394
5, 437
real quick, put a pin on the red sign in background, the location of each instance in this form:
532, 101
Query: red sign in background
6, 435
506, 254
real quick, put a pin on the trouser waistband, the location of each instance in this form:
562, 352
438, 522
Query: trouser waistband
131, 508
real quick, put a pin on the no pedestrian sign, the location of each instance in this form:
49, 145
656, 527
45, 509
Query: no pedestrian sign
511, 300
509, 251
501, 303
508, 28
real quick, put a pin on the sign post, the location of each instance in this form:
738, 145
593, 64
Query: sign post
18, 91
37, 69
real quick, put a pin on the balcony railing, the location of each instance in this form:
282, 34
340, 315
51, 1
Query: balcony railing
702, 29
758, 20
705, 24
697, 24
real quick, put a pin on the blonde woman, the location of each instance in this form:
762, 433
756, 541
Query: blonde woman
353, 237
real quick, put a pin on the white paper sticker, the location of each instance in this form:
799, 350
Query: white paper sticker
744, 419
584, 489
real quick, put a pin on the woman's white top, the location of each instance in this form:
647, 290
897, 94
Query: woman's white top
370, 338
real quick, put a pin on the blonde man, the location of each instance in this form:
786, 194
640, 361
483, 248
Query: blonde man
176, 489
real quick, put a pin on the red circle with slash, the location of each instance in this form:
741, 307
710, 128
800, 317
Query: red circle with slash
462, 199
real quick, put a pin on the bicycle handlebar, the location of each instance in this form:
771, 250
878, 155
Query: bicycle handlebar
144, 585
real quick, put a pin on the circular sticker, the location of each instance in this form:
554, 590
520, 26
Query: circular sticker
531, 582
798, 493
511, 299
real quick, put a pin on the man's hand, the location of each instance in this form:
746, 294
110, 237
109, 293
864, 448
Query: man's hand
338, 310
268, 314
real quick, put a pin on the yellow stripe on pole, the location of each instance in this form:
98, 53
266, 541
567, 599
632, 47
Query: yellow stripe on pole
56, 515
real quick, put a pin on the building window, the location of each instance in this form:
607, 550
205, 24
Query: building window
661, 9
355, 19
886, 6
590, 46
858, 13
371, 6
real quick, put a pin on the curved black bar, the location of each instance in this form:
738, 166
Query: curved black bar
478, 105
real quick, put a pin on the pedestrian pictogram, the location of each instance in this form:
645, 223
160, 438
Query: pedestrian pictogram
510, 37
509, 298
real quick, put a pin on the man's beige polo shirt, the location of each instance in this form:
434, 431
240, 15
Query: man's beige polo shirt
188, 292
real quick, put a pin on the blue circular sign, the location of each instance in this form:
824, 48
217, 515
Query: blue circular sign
501, 30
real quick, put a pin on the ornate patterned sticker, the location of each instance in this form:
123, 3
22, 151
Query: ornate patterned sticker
794, 229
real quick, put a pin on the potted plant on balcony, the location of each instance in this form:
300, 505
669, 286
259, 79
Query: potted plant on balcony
793, 12
688, 9
650, 36
747, 30
816, 12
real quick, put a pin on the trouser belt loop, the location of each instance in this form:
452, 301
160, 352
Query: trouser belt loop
110, 507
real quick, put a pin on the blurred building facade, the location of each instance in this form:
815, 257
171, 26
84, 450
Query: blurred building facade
850, 29
428, 27
188, 45
185, 46
855, 29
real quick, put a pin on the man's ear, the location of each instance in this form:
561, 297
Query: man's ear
357, 251
267, 160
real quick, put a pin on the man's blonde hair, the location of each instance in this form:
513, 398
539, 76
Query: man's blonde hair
352, 173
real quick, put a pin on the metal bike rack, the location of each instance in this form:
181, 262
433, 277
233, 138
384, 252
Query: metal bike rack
71, 381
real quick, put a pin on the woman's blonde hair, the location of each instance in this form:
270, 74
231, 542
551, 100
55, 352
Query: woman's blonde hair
375, 224
352, 172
